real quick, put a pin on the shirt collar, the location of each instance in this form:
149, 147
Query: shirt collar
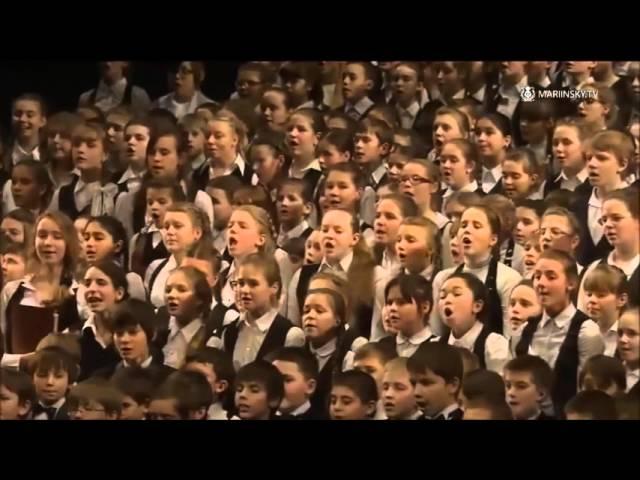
116, 90
325, 350
581, 175
302, 409
81, 185
361, 106
314, 165
188, 331
459, 95
412, 110
563, 318
264, 322
144, 364
129, 174
19, 153
468, 339
545, 82
58, 405
479, 95
416, 339
295, 231
515, 89
495, 172
91, 325
308, 104
345, 263
447, 411
629, 267
379, 172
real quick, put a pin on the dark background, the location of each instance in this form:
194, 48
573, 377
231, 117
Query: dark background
62, 82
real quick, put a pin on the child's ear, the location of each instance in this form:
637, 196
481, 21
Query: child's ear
540, 394
118, 246
197, 233
534, 178
311, 386
623, 166
356, 238
494, 240
477, 306
369, 85
385, 149
507, 142
575, 241
371, 408
622, 300
24, 408
306, 209
274, 288
261, 240
453, 387
280, 160
425, 307
220, 386
119, 293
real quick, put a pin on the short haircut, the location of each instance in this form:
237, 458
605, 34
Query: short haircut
483, 384
305, 188
99, 391
413, 287
441, 359
430, 229
499, 409
307, 363
568, 262
19, 383
132, 313
574, 223
378, 350
57, 360
541, 373
606, 278
466, 199
536, 205
593, 403
627, 196
342, 140
360, 383
62, 123
398, 363
227, 183
352, 169
135, 382
67, 342
220, 361
177, 194
190, 390
617, 143
606, 371
381, 129
88, 131
267, 375
527, 158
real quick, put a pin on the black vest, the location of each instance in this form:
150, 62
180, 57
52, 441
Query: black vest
274, 339
479, 345
155, 274
149, 253
67, 200
494, 317
565, 385
200, 177
94, 357
587, 251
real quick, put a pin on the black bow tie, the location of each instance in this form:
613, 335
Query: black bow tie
50, 412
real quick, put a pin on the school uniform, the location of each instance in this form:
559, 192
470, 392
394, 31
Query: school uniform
16, 153
491, 349
512, 255
469, 187
182, 340
75, 198
135, 288
238, 169
145, 247
154, 364
199, 172
408, 115
563, 182
217, 412
247, 341
499, 280
156, 277
632, 379
565, 342
106, 97
57, 411
301, 230
492, 180
310, 174
130, 181
423, 123
220, 244
95, 353
358, 110
452, 412
180, 109
303, 412
407, 346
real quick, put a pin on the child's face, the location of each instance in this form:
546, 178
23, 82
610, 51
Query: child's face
273, 110
387, 222
512, 72
341, 192
132, 344
27, 193
291, 206
345, 404
445, 129
620, 228
329, 155
551, 284
405, 316
454, 210
59, 146
222, 142
164, 160
318, 318
158, 201
533, 131
98, 243
51, 386
455, 170
27, 119
449, 81
13, 267
475, 233
556, 232
457, 306
100, 293
13, 230
567, 148
405, 85
132, 410
355, 85
397, 394
266, 163
301, 137
629, 338
412, 247
313, 249
531, 255
602, 306
195, 143
252, 402
372, 366
180, 297
455, 249
92, 410
10, 406
164, 409
137, 139
491, 142
179, 232
523, 396
297, 389
396, 163
527, 224
256, 295
523, 305
589, 382
338, 237
88, 154
298, 88
115, 133
184, 83
243, 235
249, 84
222, 207
591, 109
416, 184
516, 182
604, 168
368, 149
50, 243
432, 393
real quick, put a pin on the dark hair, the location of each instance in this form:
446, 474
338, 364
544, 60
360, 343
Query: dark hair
257, 67
295, 247
536, 205
275, 140
201, 289
132, 313
28, 221
360, 383
483, 384
568, 262
407, 206
259, 196
478, 291
306, 363
305, 188
352, 169
222, 365
266, 374
8, 247
98, 390
541, 373
315, 119
560, 198
41, 177
190, 390
341, 139
529, 160
606, 371
594, 403
469, 359
268, 265
167, 131
500, 121
338, 303
115, 273
339, 114
498, 408
380, 350
116, 230
57, 360
135, 382
413, 287
19, 383
627, 196
285, 94
33, 97
227, 183
495, 223
542, 110
381, 129
506, 211
441, 359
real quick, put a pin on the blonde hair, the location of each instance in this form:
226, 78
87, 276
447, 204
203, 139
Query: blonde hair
237, 125
606, 278
432, 235
265, 226
199, 219
607, 97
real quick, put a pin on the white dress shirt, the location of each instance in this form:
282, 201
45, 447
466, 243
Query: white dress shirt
491, 177
295, 232
323, 353
58, 405
571, 183
610, 339
18, 153
408, 346
632, 378
83, 194
368, 205
108, 97
551, 333
469, 187
496, 348
517, 259
156, 291
217, 412
168, 102
132, 179
357, 110
512, 96
300, 173
175, 351
150, 229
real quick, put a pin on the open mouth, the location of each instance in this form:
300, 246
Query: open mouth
232, 242
448, 311
334, 202
466, 241
402, 256
529, 263
328, 245
389, 405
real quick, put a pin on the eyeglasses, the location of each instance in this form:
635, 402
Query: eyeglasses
414, 179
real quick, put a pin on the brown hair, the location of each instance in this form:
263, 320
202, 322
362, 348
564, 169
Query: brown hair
265, 226
269, 267
99, 391
201, 289
200, 220
432, 235
614, 142
606, 278
568, 263
461, 119
238, 127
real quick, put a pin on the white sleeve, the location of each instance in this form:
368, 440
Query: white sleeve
368, 205
517, 262
10, 360
292, 311
7, 198
136, 287
582, 296
510, 278
590, 342
204, 202
381, 278
54, 205
369, 237
215, 342
496, 354
435, 322
295, 338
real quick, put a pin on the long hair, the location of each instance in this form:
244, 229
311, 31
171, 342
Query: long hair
200, 220
265, 226
41, 178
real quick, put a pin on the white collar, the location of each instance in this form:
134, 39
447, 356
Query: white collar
314, 165
116, 90
199, 162
469, 187
345, 263
307, 104
217, 412
129, 174
627, 267
325, 350
596, 201
580, 176
81, 185
302, 409
515, 89
188, 331
545, 82
144, 364
479, 95
361, 105
468, 339
20, 153
459, 95
412, 110
295, 231
264, 322
416, 339
240, 163
91, 325
495, 172
58, 405
563, 318
379, 172
447, 411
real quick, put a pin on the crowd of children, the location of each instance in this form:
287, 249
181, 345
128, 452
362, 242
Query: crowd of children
337, 240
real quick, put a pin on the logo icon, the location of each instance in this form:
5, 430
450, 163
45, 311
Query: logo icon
528, 94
